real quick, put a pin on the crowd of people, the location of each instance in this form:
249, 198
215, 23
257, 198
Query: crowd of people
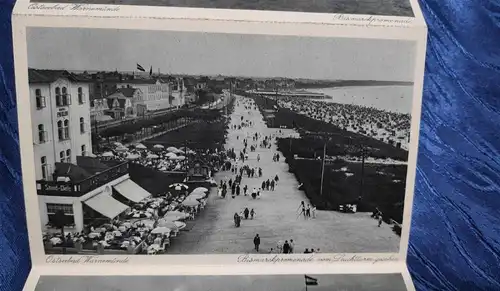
390, 127
146, 228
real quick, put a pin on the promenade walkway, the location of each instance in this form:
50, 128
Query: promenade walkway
277, 217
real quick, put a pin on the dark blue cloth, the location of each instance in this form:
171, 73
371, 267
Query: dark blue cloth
454, 243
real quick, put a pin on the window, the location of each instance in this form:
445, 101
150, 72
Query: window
68, 156
62, 158
66, 100
43, 161
82, 125
52, 208
81, 98
67, 209
84, 150
60, 130
40, 100
58, 97
42, 134
66, 129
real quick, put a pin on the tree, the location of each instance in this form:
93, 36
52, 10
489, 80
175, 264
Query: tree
60, 221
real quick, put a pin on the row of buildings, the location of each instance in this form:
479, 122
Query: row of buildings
63, 107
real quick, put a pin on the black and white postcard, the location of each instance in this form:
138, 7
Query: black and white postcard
205, 143
309, 282
367, 7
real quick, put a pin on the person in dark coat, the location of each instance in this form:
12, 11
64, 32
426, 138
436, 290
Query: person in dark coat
235, 217
263, 186
246, 212
256, 242
286, 247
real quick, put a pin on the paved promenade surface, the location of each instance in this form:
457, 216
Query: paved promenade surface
277, 217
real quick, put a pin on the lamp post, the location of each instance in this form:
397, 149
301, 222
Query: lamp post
323, 166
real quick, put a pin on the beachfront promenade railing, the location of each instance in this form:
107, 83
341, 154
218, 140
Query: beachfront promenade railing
80, 188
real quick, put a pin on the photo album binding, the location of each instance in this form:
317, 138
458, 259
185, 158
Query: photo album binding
218, 145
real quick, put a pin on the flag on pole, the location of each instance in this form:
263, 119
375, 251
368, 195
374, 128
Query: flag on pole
151, 71
140, 68
310, 281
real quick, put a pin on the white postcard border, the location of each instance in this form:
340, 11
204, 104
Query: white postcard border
20, 22
330, 269
27, 7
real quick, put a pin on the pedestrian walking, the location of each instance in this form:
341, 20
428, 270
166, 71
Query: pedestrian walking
252, 213
286, 247
313, 210
308, 211
258, 157
272, 185
256, 242
380, 220
246, 212
292, 246
235, 218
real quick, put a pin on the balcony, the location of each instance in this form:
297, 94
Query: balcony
80, 188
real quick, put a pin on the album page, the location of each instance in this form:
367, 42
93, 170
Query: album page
188, 144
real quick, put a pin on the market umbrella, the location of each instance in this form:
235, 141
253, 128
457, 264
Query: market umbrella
179, 152
184, 149
117, 144
190, 202
161, 230
179, 158
172, 149
200, 189
179, 186
196, 196
121, 149
108, 154
153, 156
133, 157
180, 225
169, 224
169, 155
158, 146
140, 146
55, 240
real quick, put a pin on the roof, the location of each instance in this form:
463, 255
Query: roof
74, 172
142, 81
49, 76
127, 92
91, 165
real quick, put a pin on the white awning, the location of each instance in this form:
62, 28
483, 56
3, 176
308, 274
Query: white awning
106, 205
131, 191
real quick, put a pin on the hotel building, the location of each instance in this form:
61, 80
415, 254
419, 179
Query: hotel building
68, 179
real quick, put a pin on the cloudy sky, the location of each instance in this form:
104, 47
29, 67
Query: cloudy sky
362, 282
224, 54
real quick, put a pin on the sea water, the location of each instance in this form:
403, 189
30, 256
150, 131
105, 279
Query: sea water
389, 98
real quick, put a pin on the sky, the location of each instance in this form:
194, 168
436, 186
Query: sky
363, 282
239, 55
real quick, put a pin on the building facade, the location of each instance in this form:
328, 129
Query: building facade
60, 117
178, 92
124, 102
156, 94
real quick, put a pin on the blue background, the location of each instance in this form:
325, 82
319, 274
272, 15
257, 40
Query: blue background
455, 234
